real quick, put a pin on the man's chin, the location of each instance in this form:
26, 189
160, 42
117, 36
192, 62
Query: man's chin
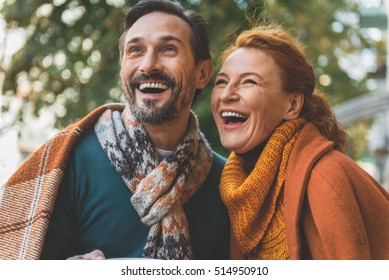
154, 116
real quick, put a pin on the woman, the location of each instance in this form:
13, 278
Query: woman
290, 191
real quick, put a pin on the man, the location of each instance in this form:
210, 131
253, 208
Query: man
140, 179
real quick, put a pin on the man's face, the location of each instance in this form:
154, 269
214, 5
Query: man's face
158, 71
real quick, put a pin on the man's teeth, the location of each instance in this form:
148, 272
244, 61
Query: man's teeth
152, 85
233, 114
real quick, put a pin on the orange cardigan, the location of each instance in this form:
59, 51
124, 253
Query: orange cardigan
333, 209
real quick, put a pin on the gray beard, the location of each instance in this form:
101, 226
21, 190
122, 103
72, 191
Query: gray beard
150, 114
153, 115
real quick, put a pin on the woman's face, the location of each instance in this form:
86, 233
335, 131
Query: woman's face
247, 100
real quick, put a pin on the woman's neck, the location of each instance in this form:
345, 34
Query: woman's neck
250, 158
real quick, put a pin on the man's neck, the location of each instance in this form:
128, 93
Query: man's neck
167, 136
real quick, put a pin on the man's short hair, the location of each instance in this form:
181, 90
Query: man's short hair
198, 37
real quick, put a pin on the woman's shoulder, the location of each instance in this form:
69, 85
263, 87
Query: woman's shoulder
337, 175
335, 165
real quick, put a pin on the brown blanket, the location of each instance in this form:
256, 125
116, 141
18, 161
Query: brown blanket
28, 197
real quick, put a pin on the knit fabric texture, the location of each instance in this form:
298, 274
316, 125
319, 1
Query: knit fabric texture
255, 201
27, 198
159, 188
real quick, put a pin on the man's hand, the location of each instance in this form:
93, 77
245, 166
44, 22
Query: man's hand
94, 255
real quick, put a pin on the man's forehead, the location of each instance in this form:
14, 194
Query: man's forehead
158, 25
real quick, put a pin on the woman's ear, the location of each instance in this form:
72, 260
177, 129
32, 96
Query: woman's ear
204, 73
295, 105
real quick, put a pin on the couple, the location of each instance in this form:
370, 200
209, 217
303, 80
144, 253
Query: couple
140, 180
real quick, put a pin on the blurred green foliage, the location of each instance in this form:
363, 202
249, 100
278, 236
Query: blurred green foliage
71, 55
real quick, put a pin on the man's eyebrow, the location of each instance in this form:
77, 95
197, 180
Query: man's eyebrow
166, 38
171, 38
133, 40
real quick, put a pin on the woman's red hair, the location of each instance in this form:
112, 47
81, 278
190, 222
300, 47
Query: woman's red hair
297, 76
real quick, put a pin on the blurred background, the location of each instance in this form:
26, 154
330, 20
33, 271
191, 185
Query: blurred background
59, 60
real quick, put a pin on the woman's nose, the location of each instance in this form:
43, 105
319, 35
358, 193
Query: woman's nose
230, 93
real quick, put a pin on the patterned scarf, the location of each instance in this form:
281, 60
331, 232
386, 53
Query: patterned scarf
255, 200
159, 188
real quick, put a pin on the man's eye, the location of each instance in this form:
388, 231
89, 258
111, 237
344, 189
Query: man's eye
133, 50
169, 49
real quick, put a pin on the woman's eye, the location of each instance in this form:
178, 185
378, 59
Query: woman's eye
249, 81
220, 82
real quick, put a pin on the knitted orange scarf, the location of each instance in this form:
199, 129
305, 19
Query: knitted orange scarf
255, 200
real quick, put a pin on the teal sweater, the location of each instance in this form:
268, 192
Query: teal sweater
93, 211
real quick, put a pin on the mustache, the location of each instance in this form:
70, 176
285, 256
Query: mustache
157, 76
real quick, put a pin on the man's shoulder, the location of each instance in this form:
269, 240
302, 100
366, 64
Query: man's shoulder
87, 146
219, 159
214, 174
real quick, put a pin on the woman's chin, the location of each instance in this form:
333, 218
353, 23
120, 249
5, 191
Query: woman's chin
233, 148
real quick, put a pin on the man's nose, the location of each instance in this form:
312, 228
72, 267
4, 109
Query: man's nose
150, 63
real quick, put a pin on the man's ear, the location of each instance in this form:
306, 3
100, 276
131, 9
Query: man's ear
204, 73
295, 105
